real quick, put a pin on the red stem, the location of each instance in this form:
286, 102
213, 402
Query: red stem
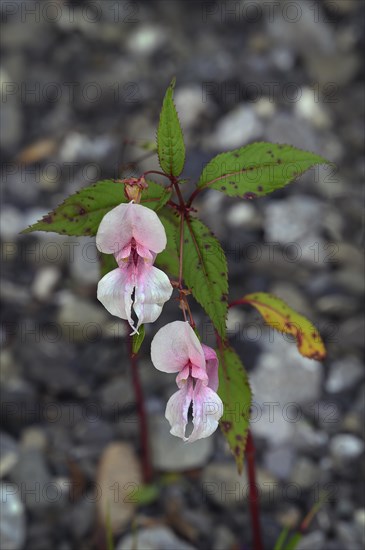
254, 493
141, 411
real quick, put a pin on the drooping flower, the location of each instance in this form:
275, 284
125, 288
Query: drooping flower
176, 348
135, 235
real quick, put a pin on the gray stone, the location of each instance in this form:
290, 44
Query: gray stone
236, 128
244, 215
191, 105
154, 538
85, 266
346, 447
344, 374
8, 453
348, 535
314, 540
170, 453
116, 394
223, 538
307, 438
45, 281
279, 461
223, 485
287, 221
12, 518
32, 475
284, 128
11, 114
82, 516
87, 319
11, 223
359, 519
282, 381
305, 473
34, 437
351, 333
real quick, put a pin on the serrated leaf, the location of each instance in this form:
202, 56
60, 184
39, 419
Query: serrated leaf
168, 259
284, 319
205, 271
170, 140
137, 340
81, 213
257, 169
235, 392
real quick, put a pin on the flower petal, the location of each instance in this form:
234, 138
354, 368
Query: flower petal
207, 410
212, 367
125, 221
148, 230
115, 293
115, 230
153, 289
177, 410
174, 346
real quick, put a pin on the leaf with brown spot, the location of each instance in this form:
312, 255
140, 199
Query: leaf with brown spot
205, 271
81, 213
256, 169
284, 319
235, 392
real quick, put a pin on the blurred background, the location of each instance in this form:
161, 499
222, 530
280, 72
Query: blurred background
81, 88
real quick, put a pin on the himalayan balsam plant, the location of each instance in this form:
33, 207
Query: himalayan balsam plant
152, 245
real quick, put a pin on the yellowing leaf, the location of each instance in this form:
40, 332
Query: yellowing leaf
280, 316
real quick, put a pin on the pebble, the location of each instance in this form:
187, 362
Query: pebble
191, 105
279, 461
313, 540
34, 438
11, 223
170, 453
84, 265
346, 447
288, 220
33, 477
154, 538
118, 479
86, 318
244, 215
236, 128
344, 374
45, 281
12, 518
305, 473
223, 485
8, 453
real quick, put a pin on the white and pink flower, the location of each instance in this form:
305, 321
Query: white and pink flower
176, 348
135, 235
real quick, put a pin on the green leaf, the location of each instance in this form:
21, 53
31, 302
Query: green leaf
168, 259
170, 141
137, 340
284, 319
81, 213
205, 271
257, 169
235, 392
146, 494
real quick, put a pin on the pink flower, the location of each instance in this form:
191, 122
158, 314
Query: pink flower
134, 234
176, 348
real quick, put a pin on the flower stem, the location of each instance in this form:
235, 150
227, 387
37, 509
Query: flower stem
141, 411
254, 493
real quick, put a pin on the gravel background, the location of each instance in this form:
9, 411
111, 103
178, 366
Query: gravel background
80, 81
